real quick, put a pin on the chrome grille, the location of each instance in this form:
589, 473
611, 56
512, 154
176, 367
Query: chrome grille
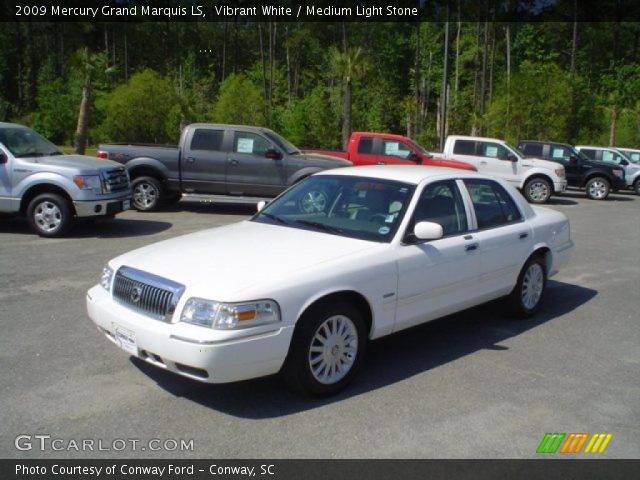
150, 294
115, 179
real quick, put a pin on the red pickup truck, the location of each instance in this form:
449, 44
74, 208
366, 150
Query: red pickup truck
367, 148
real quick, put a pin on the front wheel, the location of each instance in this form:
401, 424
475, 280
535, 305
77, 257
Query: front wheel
147, 193
326, 350
526, 297
538, 190
636, 187
50, 215
597, 188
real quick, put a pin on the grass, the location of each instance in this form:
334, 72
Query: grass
90, 151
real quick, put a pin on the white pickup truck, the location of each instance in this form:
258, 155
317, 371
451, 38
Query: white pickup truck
537, 179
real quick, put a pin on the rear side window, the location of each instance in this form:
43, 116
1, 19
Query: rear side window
492, 204
206, 139
532, 149
464, 147
366, 145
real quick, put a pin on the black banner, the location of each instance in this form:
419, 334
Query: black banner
319, 469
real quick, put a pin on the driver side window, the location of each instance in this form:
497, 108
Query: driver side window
441, 203
245, 142
393, 148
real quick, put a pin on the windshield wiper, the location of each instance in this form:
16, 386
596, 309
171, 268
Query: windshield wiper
320, 226
274, 217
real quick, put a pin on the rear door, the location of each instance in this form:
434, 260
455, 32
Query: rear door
249, 171
366, 151
504, 238
204, 161
465, 151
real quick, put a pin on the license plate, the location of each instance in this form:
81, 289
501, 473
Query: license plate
126, 205
127, 340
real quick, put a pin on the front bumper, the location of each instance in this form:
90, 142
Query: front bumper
192, 351
96, 208
559, 186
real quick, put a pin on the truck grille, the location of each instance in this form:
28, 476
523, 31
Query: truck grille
115, 179
154, 296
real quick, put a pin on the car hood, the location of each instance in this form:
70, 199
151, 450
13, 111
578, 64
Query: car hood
326, 160
76, 162
224, 261
540, 163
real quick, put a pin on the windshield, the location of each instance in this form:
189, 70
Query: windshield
517, 151
356, 207
287, 146
633, 157
578, 153
23, 142
419, 147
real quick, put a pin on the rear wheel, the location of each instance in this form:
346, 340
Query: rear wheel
326, 350
636, 187
147, 193
538, 190
50, 215
526, 297
598, 188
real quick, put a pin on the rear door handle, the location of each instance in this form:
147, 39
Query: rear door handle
191, 160
471, 246
483, 162
523, 235
381, 163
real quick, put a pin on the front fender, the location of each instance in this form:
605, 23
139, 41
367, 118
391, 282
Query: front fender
539, 172
303, 173
50, 178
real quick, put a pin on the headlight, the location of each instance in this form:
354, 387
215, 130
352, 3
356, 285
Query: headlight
228, 316
619, 173
559, 172
105, 278
88, 182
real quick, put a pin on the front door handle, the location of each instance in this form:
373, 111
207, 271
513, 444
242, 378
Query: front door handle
191, 160
233, 161
523, 235
381, 163
483, 162
471, 246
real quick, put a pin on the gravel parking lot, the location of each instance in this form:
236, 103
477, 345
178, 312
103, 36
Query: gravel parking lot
474, 385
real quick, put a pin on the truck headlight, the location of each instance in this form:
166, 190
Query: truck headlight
559, 172
229, 316
106, 277
619, 173
88, 182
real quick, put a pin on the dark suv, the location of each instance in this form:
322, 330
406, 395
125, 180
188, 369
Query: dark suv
597, 178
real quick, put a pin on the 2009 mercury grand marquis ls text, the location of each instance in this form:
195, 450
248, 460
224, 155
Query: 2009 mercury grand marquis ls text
343, 257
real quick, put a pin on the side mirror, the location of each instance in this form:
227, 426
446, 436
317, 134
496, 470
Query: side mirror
414, 157
624, 163
3, 158
428, 231
273, 154
573, 159
512, 158
261, 204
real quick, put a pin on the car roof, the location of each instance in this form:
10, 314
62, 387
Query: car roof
413, 174
12, 125
481, 139
545, 142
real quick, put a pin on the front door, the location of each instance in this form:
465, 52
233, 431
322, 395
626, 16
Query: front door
495, 161
439, 276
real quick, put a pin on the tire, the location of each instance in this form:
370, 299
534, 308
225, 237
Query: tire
309, 367
636, 187
598, 188
538, 190
50, 215
526, 297
147, 194
313, 201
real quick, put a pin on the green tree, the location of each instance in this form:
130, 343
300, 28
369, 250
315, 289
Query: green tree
240, 101
144, 110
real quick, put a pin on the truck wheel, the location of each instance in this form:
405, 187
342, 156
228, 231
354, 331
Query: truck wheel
526, 297
636, 187
538, 190
326, 350
313, 201
597, 188
50, 215
147, 193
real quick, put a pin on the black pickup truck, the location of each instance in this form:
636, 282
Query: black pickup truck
597, 178
234, 161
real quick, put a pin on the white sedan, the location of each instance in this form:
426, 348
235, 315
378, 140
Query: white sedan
341, 258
